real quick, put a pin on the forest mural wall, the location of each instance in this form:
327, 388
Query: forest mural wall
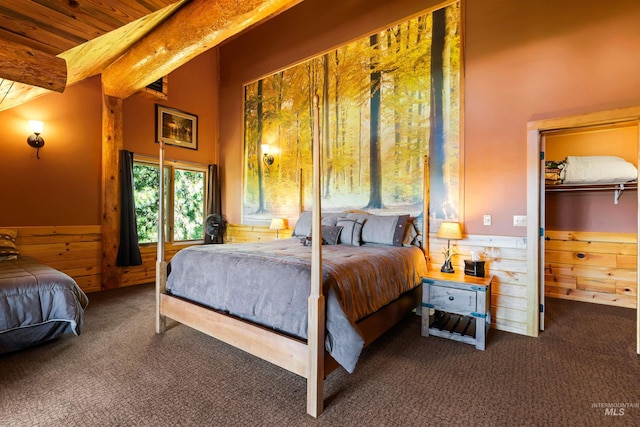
386, 101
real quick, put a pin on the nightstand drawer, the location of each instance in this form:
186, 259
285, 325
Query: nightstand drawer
452, 300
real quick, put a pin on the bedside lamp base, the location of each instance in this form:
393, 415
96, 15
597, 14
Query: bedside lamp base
447, 267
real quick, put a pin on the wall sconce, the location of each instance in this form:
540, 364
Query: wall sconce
35, 140
277, 224
449, 231
266, 157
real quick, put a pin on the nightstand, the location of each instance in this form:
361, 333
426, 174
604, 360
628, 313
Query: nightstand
457, 307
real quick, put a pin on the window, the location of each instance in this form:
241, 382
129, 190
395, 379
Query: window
185, 189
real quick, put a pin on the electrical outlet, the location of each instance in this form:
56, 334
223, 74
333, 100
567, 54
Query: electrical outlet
486, 219
519, 220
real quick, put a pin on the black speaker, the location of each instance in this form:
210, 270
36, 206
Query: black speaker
474, 268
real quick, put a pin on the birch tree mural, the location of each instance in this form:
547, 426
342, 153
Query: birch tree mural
386, 101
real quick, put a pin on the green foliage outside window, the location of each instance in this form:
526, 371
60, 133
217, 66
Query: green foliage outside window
188, 195
188, 212
145, 179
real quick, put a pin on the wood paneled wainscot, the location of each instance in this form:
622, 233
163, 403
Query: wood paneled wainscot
591, 267
77, 251
240, 233
74, 250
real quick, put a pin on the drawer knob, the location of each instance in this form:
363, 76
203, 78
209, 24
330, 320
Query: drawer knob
451, 298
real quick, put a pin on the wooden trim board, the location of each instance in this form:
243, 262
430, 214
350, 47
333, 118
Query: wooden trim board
278, 349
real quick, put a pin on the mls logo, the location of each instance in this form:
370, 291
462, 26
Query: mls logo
616, 412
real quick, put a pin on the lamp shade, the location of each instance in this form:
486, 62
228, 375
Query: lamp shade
277, 224
450, 230
36, 126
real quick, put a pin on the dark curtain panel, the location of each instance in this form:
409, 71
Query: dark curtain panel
129, 250
214, 200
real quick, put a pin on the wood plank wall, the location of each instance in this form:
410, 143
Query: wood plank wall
239, 233
591, 267
74, 250
506, 259
77, 251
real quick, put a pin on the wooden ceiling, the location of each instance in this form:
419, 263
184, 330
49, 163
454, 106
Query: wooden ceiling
51, 44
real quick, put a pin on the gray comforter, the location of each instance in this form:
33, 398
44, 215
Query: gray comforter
37, 303
268, 283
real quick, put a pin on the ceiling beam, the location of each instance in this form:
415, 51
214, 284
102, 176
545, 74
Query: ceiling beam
192, 30
33, 67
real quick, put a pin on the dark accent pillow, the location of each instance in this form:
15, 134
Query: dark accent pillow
383, 229
330, 236
351, 231
8, 248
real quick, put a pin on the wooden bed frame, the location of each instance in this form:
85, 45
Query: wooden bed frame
307, 359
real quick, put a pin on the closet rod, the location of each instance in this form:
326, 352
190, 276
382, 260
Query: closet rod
616, 188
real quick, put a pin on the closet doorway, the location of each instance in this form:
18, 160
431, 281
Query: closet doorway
586, 235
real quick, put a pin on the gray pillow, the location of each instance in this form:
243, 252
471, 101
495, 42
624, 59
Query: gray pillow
351, 231
383, 229
303, 226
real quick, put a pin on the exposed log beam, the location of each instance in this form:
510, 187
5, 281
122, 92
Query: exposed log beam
112, 143
33, 67
192, 30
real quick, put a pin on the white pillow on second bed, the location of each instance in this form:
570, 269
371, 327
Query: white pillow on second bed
598, 170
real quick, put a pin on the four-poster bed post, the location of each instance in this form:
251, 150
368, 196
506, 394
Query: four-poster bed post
316, 307
425, 207
307, 359
161, 264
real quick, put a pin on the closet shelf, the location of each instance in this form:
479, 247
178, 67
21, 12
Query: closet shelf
616, 187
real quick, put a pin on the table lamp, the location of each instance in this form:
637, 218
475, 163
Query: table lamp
450, 231
277, 224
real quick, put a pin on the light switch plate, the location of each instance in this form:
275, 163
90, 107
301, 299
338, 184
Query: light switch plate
519, 220
486, 219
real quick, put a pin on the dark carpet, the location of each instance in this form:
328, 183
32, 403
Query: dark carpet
583, 370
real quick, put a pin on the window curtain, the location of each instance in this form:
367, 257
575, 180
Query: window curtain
214, 201
129, 250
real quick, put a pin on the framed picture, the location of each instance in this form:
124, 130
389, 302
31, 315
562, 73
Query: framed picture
175, 127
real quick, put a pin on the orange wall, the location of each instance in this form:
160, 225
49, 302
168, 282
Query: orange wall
531, 60
64, 186
620, 141
192, 89
523, 61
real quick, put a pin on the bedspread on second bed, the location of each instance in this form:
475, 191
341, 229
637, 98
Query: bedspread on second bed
269, 283
37, 303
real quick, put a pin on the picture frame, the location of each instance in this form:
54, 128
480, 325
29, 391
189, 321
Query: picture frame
175, 127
